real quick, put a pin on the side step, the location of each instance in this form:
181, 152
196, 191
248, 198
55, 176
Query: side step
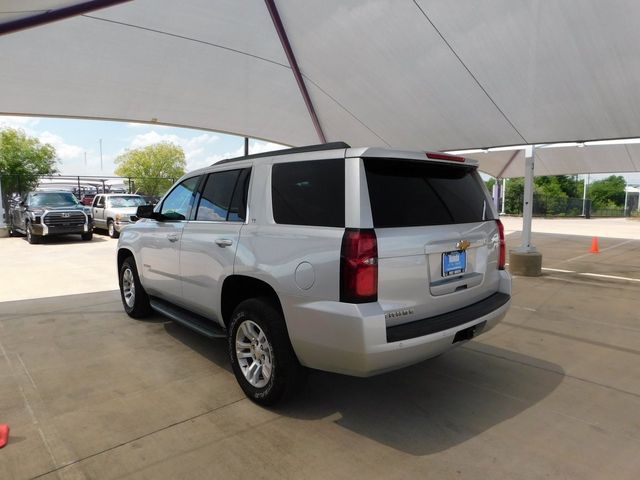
190, 320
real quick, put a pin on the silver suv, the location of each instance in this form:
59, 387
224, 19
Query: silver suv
350, 260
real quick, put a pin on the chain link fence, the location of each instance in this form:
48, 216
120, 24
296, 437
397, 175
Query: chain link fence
549, 206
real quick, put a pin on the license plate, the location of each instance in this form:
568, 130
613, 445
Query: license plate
454, 263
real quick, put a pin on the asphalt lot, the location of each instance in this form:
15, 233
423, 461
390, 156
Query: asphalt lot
552, 392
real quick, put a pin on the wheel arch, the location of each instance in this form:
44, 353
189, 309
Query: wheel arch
237, 288
124, 253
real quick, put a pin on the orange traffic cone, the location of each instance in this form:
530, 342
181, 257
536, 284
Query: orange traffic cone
594, 245
4, 434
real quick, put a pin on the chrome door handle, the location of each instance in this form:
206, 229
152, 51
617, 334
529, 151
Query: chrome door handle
172, 237
224, 242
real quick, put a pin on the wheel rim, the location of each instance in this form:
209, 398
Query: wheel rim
128, 288
254, 354
111, 229
29, 234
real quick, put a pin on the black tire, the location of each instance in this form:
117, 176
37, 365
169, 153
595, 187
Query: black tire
31, 237
139, 307
12, 231
111, 229
87, 236
286, 374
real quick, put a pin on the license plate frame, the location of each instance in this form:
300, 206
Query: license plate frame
454, 263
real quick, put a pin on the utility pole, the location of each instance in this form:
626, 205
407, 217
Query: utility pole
101, 155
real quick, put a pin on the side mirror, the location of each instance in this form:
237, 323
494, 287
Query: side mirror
145, 211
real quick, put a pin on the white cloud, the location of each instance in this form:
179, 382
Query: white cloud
64, 150
22, 123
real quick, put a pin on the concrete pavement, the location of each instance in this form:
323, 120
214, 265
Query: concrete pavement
552, 392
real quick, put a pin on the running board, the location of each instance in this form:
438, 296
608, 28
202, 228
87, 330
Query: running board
190, 320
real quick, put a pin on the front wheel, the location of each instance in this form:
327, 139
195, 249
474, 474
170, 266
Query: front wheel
87, 236
134, 298
111, 228
261, 354
32, 238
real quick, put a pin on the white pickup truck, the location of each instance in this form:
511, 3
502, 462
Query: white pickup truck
112, 211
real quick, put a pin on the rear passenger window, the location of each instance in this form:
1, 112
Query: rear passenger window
216, 196
413, 193
309, 193
224, 197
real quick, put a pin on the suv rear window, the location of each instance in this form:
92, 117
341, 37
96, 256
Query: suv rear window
309, 193
406, 193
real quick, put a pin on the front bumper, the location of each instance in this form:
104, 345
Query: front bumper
354, 339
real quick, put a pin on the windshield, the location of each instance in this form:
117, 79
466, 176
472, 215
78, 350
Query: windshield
124, 201
53, 199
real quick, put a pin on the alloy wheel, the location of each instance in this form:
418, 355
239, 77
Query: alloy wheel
254, 354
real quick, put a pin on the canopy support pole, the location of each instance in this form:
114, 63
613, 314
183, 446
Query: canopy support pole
284, 40
526, 260
527, 206
504, 193
2, 224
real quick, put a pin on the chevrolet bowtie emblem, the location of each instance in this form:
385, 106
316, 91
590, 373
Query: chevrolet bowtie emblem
463, 245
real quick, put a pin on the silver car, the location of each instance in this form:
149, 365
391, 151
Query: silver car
350, 260
112, 212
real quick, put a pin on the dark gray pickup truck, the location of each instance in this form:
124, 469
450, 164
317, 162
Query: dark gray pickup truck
46, 213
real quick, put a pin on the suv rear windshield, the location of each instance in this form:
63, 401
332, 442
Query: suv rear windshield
309, 193
407, 193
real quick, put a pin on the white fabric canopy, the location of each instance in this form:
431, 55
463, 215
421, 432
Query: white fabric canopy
424, 74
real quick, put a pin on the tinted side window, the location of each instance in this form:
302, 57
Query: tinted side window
413, 193
309, 193
178, 203
238, 208
216, 196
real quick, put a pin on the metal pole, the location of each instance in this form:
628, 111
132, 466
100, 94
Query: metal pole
246, 146
584, 194
2, 224
496, 193
504, 193
527, 207
101, 155
626, 195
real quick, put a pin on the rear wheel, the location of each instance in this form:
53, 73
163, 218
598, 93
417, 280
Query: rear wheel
111, 228
261, 354
134, 298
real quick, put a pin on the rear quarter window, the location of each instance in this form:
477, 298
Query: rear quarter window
406, 193
308, 193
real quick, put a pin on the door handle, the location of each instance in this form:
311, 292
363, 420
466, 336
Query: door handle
224, 242
172, 237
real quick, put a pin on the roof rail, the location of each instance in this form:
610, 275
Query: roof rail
286, 151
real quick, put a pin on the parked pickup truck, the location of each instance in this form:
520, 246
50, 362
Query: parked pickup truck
46, 213
112, 212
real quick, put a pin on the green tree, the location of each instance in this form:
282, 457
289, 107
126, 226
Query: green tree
153, 168
490, 183
513, 195
23, 159
608, 192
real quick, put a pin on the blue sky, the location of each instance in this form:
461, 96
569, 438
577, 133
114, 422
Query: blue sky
72, 138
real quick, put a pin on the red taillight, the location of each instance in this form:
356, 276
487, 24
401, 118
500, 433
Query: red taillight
359, 266
502, 259
444, 156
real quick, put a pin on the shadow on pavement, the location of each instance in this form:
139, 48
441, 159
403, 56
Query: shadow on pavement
419, 410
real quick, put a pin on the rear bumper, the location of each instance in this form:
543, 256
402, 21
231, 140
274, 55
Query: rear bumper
354, 340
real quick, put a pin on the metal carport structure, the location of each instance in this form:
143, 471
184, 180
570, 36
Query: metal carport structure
421, 74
